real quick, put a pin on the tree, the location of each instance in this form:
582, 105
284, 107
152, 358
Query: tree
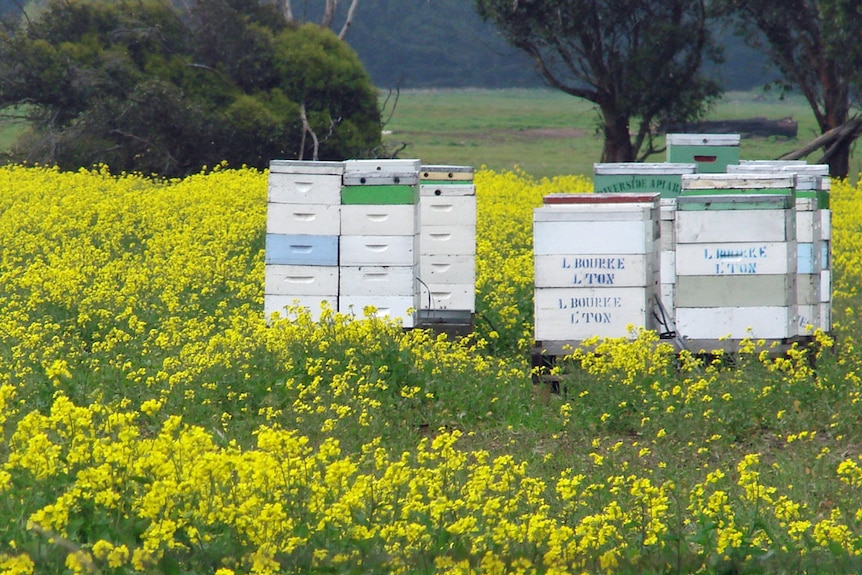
815, 46
636, 60
141, 87
330, 7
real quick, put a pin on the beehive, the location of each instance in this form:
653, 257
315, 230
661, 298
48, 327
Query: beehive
736, 265
662, 178
596, 262
811, 182
447, 253
712, 153
302, 230
378, 246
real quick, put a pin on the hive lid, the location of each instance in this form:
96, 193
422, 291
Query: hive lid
643, 168
569, 199
306, 167
703, 139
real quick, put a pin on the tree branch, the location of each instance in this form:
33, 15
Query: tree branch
306, 129
350, 13
849, 130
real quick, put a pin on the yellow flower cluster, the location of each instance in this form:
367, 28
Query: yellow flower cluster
153, 421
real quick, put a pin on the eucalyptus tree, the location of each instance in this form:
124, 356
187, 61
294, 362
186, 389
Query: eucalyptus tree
141, 86
639, 61
815, 46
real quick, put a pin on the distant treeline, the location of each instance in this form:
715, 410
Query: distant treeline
444, 44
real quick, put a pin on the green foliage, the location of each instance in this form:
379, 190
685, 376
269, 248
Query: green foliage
637, 60
140, 87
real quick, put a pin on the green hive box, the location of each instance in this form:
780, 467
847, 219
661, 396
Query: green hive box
386, 194
661, 178
712, 153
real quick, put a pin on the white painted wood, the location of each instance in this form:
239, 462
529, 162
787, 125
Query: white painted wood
667, 241
593, 270
378, 250
735, 258
736, 322
595, 212
731, 181
447, 211
381, 165
826, 316
826, 224
807, 319
304, 189
734, 226
379, 220
377, 281
702, 139
394, 307
306, 167
300, 280
768, 164
643, 168
283, 304
807, 226
826, 286
667, 292
304, 219
594, 237
447, 190
380, 179
440, 240
808, 289
447, 269
447, 296
667, 271
580, 313
446, 172
667, 209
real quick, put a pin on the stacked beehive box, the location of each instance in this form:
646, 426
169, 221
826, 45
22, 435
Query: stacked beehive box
447, 243
712, 153
736, 258
378, 246
596, 262
666, 180
814, 234
302, 230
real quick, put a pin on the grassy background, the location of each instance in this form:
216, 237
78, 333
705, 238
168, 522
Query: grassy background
541, 131
548, 133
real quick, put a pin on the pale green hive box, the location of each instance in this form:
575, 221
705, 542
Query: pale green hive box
712, 153
658, 177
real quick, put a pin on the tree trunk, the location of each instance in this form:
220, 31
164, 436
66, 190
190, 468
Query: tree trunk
349, 20
836, 107
618, 143
329, 13
286, 10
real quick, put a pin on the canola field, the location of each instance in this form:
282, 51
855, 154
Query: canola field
153, 422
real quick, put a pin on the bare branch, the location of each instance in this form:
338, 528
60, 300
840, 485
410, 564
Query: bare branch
329, 13
350, 12
306, 129
829, 140
286, 10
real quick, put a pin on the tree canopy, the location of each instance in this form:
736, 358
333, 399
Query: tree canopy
138, 86
815, 46
637, 60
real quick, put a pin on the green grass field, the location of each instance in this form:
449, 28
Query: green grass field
548, 133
